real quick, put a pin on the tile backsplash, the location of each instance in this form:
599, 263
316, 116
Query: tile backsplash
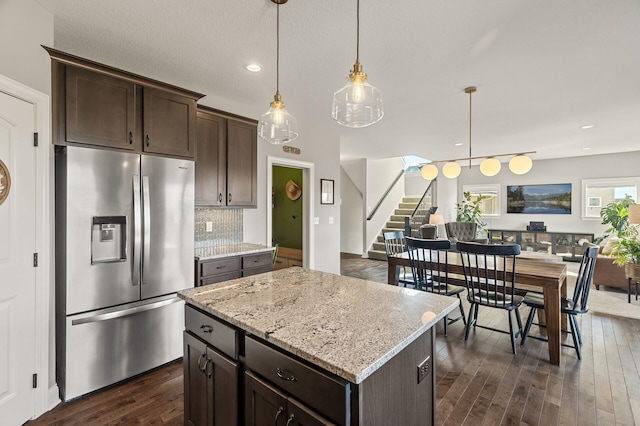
226, 227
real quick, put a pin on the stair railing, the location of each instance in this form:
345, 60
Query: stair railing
377, 206
424, 208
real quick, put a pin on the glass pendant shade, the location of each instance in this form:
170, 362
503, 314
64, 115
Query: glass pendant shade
520, 164
490, 166
357, 104
277, 126
451, 170
429, 171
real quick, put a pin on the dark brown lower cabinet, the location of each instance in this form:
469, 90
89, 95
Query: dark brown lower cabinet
210, 385
265, 405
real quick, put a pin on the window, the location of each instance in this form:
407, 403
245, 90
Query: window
597, 193
490, 203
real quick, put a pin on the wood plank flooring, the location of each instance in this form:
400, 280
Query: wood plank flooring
478, 382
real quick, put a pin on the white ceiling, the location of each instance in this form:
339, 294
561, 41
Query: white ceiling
543, 68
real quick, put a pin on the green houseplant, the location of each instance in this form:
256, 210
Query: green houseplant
616, 215
469, 210
626, 252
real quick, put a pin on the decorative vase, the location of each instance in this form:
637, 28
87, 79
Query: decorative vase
632, 270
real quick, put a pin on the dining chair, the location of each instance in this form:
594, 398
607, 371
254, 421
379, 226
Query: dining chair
490, 277
430, 268
394, 245
572, 307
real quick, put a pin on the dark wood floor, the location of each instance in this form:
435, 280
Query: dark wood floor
479, 382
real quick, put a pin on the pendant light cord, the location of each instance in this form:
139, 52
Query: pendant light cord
470, 95
358, 34
278, 49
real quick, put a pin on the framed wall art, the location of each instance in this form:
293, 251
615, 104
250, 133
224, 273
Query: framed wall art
539, 199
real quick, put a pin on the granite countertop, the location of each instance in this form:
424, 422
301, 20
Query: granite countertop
207, 253
347, 326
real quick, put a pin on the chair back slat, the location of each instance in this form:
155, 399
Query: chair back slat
394, 242
585, 276
490, 272
429, 261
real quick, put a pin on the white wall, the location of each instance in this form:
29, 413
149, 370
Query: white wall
380, 174
415, 185
352, 207
24, 26
322, 148
565, 170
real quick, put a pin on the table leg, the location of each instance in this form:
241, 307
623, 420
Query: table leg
393, 273
564, 318
628, 290
552, 314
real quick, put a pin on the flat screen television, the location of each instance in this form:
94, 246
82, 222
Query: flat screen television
539, 199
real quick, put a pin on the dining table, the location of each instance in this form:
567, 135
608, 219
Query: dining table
534, 272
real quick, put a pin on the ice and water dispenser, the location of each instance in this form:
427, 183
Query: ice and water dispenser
108, 239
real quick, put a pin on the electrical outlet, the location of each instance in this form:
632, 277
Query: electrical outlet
316, 221
330, 220
209, 226
424, 369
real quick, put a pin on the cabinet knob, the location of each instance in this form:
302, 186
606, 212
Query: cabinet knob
147, 139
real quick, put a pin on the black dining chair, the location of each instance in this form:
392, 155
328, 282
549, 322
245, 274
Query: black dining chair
490, 277
572, 307
394, 244
430, 268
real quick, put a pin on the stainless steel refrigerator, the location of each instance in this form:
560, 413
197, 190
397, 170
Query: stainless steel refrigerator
124, 246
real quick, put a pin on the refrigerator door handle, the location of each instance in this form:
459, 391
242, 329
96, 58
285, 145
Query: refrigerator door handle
146, 233
137, 229
125, 312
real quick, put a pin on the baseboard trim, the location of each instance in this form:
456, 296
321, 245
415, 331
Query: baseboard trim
54, 397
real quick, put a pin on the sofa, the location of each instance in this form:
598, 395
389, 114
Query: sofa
608, 274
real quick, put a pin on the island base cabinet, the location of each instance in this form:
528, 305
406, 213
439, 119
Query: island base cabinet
265, 405
210, 385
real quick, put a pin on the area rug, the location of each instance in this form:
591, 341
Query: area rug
608, 301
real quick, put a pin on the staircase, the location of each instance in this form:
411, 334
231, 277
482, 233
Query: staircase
396, 223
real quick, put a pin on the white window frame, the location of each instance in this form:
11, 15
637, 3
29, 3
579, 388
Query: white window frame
605, 182
479, 189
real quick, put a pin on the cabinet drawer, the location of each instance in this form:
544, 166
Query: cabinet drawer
220, 266
223, 337
295, 262
325, 394
257, 260
220, 278
255, 271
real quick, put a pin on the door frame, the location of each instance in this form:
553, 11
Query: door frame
308, 198
45, 397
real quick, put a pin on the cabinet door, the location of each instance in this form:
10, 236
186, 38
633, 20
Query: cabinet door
196, 403
241, 164
100, 110
211, 158
223, 389
263, 404
169, 123
299, 415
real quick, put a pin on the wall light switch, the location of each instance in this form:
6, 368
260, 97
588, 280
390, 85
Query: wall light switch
209, 226
330, 220
316, 221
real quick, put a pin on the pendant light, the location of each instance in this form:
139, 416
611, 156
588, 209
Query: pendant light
357, 104
277, 126
490, 166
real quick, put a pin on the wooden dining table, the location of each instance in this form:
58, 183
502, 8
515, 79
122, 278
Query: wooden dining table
546, 273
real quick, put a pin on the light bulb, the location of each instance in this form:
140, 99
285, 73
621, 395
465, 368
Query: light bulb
429, 171
490, 166
358, 93
520, 164
451, 170
278, 117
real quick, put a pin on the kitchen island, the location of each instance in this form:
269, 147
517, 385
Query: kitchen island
308, 347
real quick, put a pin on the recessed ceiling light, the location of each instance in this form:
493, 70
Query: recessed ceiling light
459, 144
586, 126
586, 148
253, 67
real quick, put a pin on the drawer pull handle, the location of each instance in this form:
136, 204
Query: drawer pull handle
147, 139
220, 197
206, 328
200, 360
221, 267
130, 138
204, 369
280, 374
291, 418
280, 410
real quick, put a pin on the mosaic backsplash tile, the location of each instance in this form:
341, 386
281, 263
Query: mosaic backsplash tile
227, 227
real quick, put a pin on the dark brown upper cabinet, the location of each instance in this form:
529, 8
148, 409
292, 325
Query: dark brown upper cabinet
226, 159
102, 106
100, 109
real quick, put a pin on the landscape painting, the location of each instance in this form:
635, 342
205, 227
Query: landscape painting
539, 199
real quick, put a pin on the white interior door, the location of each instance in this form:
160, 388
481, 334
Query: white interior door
17, 272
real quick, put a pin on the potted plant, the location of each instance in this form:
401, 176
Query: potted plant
469, 210
616, 215
626, 252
